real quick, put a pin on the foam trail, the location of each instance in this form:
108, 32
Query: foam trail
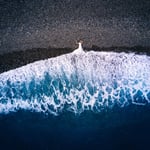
77, 82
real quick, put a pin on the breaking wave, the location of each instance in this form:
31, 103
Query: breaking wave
77, 82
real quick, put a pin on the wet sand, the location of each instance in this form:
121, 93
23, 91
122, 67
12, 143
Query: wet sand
17, 59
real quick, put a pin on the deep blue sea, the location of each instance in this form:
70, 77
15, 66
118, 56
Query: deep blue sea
116, 129
82, 100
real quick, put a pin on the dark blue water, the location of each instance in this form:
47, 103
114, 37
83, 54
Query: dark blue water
126, 128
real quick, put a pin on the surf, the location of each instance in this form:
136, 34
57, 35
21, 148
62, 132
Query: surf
77, 82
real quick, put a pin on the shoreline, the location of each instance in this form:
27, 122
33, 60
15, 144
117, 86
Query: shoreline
17, 59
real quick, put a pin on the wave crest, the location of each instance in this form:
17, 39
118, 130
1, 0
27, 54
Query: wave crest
77, 82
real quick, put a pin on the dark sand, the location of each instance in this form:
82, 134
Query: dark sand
16, 59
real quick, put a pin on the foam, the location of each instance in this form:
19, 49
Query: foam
77, 82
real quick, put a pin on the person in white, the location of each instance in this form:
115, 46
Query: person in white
79, 49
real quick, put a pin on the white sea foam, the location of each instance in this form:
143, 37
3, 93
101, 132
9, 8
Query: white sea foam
77, 82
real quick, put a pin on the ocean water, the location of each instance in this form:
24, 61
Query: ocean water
88, 100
